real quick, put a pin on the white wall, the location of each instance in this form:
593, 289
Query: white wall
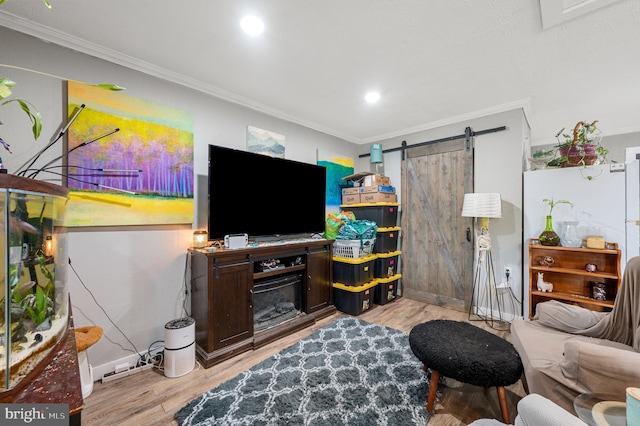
498, 168
136, 274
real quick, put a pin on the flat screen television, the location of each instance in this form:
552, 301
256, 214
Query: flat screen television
264, 197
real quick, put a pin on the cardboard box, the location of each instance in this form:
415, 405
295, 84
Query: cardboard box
375, 180
379, 188
348, 191
377, 197
351, 199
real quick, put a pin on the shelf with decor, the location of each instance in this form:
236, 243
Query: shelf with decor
586, 277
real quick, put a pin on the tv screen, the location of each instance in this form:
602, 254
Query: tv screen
264, 196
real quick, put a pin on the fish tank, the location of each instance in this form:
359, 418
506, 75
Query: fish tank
35, 299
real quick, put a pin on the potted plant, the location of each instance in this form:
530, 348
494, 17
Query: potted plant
581, 147
549, 237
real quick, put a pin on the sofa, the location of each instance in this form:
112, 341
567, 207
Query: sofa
568, 350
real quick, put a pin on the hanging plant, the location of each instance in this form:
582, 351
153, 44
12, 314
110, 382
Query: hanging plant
6, 91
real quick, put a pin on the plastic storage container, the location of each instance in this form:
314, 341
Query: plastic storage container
383, 214
386, 240
386, 264
386, 290
354, 300
353, 272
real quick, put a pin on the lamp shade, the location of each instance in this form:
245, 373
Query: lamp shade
376, 153
199, 239
482, 204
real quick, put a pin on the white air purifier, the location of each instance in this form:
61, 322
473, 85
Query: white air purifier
179, 347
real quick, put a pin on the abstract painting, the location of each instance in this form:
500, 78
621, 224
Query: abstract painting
338, 166
139, 174
265, 142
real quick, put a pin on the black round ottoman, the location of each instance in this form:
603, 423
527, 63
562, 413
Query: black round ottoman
466, 353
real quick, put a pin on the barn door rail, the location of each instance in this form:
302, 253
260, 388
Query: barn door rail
467, 135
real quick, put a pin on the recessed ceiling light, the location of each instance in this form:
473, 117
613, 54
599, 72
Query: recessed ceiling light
372, 97
252, 25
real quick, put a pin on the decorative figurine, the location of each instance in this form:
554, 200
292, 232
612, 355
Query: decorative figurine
590, 267
546, 261
543, 285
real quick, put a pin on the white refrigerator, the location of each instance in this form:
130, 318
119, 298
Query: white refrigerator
603, 196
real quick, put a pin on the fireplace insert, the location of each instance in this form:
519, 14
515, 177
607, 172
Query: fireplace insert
276, 300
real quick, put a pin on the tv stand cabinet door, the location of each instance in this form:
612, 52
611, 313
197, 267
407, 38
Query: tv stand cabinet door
318, 280
232, 305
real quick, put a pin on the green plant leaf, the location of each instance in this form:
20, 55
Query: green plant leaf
34, 116
44, 270
32, 315
5, 87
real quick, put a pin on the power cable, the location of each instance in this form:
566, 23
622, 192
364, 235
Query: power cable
136, 351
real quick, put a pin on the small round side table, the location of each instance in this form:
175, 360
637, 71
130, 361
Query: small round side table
601, 409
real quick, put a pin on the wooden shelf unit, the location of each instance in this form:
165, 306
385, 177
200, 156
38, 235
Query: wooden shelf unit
572, 283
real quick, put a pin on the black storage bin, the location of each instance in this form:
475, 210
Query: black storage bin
354, 300
386, 290
353, 272
383, 214
386, 240
386, 264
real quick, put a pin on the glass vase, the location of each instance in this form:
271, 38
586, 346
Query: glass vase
570, 235
549, 236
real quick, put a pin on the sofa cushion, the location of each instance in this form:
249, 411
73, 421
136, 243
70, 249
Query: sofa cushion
566, 317
601, 366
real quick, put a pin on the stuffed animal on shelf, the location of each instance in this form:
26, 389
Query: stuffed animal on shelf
543, 285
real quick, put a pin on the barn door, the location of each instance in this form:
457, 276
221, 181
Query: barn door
437, 242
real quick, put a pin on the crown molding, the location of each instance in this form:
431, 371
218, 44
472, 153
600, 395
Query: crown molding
47, 34
523, 104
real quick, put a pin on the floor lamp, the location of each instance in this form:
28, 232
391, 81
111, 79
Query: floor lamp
484, 206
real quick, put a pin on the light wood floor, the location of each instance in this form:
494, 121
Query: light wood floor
150, 398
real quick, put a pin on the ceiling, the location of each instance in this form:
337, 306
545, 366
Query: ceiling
434, 62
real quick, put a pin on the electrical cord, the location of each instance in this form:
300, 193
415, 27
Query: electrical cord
136, 351
187, 263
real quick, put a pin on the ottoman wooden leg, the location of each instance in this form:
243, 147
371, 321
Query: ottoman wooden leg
433, 388
502, 398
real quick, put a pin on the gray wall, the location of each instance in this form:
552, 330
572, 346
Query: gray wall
498, 168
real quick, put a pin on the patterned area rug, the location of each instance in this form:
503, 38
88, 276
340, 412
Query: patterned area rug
348, 373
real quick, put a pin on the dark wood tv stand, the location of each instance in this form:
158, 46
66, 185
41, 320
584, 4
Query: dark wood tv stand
222, 284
